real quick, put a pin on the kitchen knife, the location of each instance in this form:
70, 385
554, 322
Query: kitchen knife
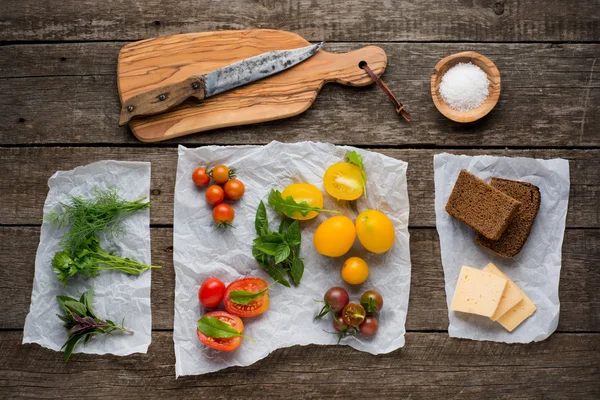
218, 81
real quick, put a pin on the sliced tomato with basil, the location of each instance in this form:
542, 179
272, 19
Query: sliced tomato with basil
253, 308
222, 344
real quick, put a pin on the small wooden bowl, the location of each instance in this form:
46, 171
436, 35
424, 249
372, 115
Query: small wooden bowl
494, 89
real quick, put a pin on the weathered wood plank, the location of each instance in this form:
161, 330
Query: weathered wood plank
24, 189
550, 97
579, 288
431, 365
379, 20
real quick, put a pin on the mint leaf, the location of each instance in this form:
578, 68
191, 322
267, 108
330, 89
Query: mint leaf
289, 206
354, 158
215, 328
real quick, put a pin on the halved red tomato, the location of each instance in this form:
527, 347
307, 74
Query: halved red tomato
255, 307
223, 344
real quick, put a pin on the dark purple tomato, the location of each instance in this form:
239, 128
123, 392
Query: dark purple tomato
338, 323
353, 314
337, 298
372, 301
369, 326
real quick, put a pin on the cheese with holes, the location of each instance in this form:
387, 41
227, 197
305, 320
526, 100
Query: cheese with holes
511, 296
520, 312
478, 292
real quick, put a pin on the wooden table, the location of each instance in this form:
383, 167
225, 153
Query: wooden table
59, 109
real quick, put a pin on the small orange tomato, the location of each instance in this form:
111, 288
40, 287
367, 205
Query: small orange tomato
200, 177
215, 195
234, 189
223, 214
221, 174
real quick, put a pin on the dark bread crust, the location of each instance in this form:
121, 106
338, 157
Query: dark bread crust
514, 237
481, 206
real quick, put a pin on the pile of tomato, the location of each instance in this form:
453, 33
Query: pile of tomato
213, 292
225, 187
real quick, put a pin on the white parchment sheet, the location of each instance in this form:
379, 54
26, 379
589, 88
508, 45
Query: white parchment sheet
536, 269
201, 252
116, 295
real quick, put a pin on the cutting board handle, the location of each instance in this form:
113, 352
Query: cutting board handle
343, 68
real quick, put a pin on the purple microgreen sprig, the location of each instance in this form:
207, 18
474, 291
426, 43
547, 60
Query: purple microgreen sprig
81, 322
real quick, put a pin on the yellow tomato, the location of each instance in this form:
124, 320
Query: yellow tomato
335, 236
343, 181
355, 271
304, 192
375, 231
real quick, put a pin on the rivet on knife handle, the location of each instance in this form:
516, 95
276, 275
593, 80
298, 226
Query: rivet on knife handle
162, 98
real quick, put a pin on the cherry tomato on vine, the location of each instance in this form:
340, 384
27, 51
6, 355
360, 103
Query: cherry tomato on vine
223, 214
223, 344
338, 323
369, 326
200, 177
221, 174
234, 189
215, 195
372, 301
211, 292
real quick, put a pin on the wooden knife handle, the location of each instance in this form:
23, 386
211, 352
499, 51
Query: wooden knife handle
162, 98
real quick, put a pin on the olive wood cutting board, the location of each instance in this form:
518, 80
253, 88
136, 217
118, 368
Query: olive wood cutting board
151, 63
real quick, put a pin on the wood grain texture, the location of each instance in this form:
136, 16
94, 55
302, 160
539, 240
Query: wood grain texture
76, 100
23, 190
493, 76
580, 298
431, 365
148, 65
377, 20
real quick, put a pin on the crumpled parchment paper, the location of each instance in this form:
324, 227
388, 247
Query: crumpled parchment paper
536, 269
116, 295
201, 252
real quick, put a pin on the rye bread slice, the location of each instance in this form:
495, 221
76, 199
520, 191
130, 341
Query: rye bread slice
514, 237
481, 206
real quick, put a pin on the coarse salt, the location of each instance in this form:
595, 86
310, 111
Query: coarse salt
464, 87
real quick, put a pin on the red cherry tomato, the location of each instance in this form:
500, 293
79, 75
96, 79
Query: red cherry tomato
253, 308
221, 174
215, 195
369, 326
211, 292
223, 344
234, 189
223, 214
200, 177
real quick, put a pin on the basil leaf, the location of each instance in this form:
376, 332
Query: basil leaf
282, 252
274, 237
354, 158
88, 301
70, 345
244, 297
215, 328
297, 270
282, 226
273, 271
289, 206
76, 307
292, 234
61, 302
267, 248
261, 221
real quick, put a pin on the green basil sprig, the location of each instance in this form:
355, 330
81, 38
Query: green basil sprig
244, 297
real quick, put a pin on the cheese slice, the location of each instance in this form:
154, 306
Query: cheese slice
517, 314
478, 292
511, 296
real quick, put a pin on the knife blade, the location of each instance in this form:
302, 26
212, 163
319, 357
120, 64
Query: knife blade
212, 83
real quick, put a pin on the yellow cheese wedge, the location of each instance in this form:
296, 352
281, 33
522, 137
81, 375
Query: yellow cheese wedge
511, 296
517, 314
478, 292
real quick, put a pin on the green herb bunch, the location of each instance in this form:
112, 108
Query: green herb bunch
86, 218
278, 252
82, 323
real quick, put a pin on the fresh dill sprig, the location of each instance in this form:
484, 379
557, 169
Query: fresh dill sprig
87, 217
